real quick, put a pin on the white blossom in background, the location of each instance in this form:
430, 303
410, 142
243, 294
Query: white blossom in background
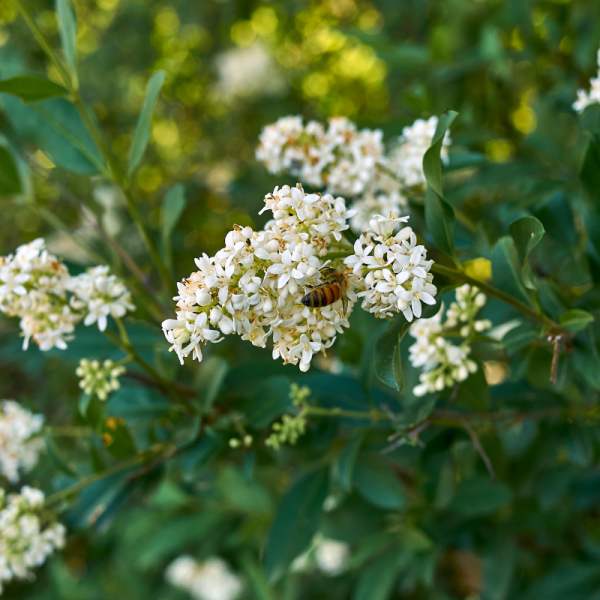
341, 159
584, 97
332, 557
208, 580
18, 451
248, 72
27, 535
406, 158
393, 270
253, 286
99, 295
99, 378
37, 287
372, 204
443, 362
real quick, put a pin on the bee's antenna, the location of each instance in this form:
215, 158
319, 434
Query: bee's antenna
324, 265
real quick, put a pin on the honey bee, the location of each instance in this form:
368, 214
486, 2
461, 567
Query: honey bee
334, 287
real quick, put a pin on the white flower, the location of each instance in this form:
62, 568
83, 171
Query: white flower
18, 452
586, 98
332, 556
372, 204
27, 537
253, 287
208, 580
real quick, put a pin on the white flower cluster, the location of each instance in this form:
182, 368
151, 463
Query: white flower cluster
99, 378
444, 364
18, 452
585, 98
254, 286
27, 536
37, 287
406, 159
208, 580
248, 72
346, 161
339, 158
395, 269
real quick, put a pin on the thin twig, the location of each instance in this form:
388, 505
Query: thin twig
556, 340
477, 443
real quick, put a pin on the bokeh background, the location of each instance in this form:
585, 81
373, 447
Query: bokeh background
511, 68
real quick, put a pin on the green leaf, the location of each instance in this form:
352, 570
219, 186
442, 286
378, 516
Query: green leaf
432, 162
520, 336
506, 269
587, 360
478, 496
388, 366
57, 129
347, 459
31, 89
296, 521
590, 167
173, 205
256, 578
68, 32
117, 439
142, 129
474, 393
10, 181
54, 454
209, 380
377, 580
270, 400
439, 215
526, 233
575, 320
378, 484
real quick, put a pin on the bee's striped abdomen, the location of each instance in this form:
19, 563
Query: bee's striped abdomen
322, 296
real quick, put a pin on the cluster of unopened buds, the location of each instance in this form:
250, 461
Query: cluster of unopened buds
211, 579
28, 534
344, 160
278, 282
19, 445
99, 378
37, 287
443, 363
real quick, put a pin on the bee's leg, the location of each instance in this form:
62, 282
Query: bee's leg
344, 304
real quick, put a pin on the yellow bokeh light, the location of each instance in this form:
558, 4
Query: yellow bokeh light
108, 4
479, 268
264, 21
167, 22
499, 151
149, 178
315, 85
165, 133
242, 33
524, 119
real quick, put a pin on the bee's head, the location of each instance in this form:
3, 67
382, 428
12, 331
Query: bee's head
306, 300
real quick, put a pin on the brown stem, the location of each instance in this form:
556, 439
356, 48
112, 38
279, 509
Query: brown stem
484, 456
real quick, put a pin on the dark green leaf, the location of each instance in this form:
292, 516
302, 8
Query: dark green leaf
10, 182
256, 578
590, 168
55, 456
296, 521
506, 269
204, 452
209, 380
520, 336
587, 360
142, 129
575, 320
270, 400
347, 459
377, 483
388, 366
31, 89
526, 233
474, 393
432, 162
439, 217
56, 128
478, 496
68, 31
377, 580
173, 205
117, 439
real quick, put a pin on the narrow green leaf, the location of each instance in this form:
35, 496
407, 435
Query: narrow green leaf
68, 32
347, 459
10, 181
296, 521
440, 220
378, 484
55, 456
439, 215
432, 161
31, 89
377, 580
590, 167
575, 320
141, 136
478, 496
506, 269
256, 578
173, 205
526, 233
388, 366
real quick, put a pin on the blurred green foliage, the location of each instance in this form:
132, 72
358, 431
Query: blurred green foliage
422, 522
